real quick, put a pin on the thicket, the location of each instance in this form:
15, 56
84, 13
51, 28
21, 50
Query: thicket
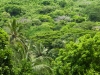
49, 37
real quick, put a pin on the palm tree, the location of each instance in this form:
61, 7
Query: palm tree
38, 51
16, 39
24, 49
39, 58
42, 69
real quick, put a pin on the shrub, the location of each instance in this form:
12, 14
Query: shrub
45, 18
86, 25
6, 64
46, 9
79, 58
93, 12
58, 43
62, 3
36, 22
3, 39
57, 13
5, 55
46, 2
65, 18
13, 10
46, 37
78, 19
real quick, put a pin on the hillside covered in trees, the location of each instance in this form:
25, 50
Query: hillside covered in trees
49, 37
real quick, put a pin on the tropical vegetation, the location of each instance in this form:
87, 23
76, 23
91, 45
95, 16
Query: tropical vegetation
49, 37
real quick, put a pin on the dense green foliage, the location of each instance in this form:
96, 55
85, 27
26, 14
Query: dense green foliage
79, 58
3, 39
6, 64
49, 37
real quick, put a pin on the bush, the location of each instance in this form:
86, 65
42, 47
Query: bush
13, 10
86, 25
6, 64
46, 2
81, 58
93, 12
58, 43
62, 3
3, 39
65, 18
46, 37
5, 55
36, 22
46, 9
45, 18
5, 15
57, 13
78, 19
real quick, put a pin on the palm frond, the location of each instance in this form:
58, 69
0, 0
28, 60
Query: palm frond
39, 50
41, 59
42, 69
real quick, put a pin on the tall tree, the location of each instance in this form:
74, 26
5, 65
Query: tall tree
80, 58
16, 37
41, 62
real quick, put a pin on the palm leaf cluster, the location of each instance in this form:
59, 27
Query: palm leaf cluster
26, 50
